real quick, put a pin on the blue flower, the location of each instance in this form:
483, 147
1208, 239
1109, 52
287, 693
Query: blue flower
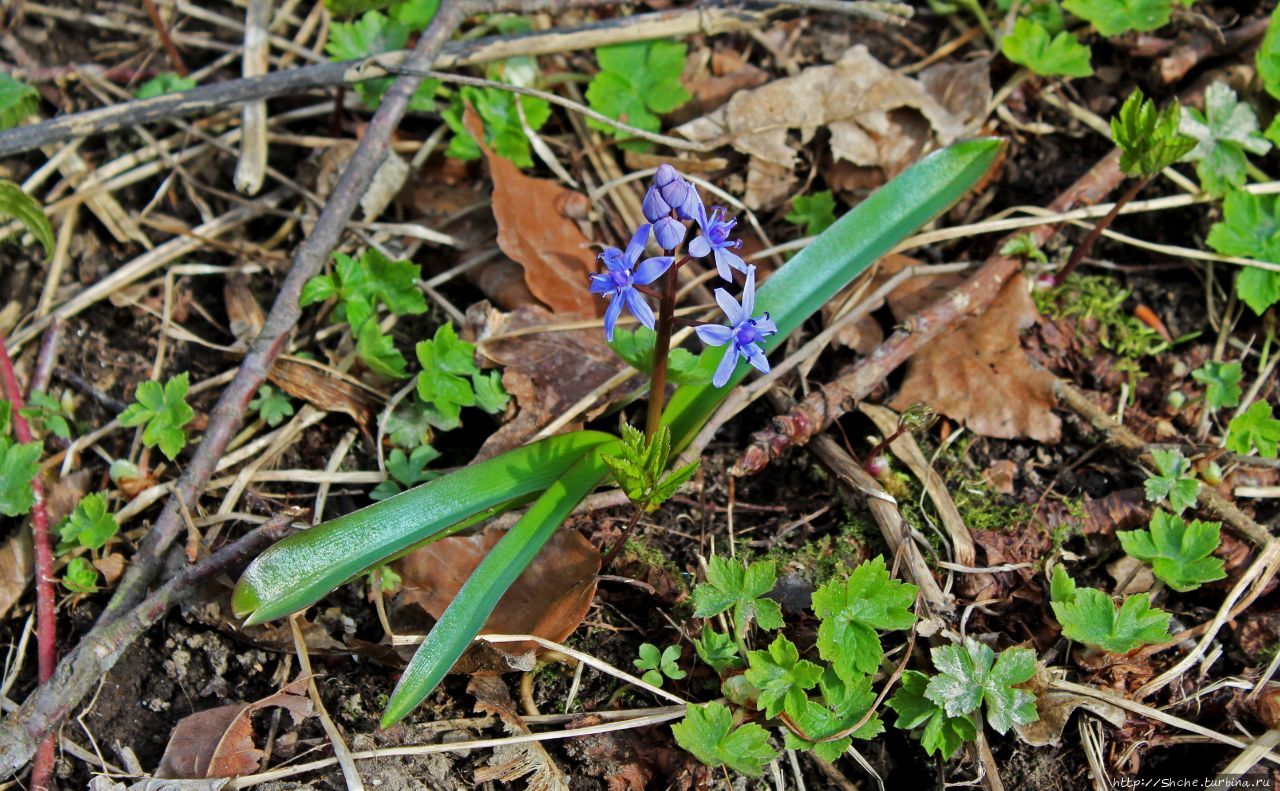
654, 207
745, 332
676, 192
623, 275
715, 241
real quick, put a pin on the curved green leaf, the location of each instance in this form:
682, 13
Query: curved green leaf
467, 612
297, 571
841, 253
22, 207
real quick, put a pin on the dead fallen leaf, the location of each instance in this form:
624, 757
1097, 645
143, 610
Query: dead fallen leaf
876, 118
546, 371
964, 88
549, 598
387, 182
244, 315
16, 568
219, 742
1000, 475
978, 373
65, 493
534, 231
111, 565
1056, 706
713, 81
323, 389
1131, 576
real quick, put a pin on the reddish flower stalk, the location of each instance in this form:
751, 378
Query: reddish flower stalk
46, 617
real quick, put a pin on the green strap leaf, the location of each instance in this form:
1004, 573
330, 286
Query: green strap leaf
471, 607
297, 571
25, 209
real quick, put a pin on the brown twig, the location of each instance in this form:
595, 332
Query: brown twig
88, 663
1082, 249
46, 614
220, 95
166, 40
971, 298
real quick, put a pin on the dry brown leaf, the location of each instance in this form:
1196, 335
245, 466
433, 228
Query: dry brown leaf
549, 598
218, 742
713, 81
1056, 706
547, 372
323, 390
16, 568
244, 314
111, 565
64, 494
535, 231
978, 373
1000, 476
876, 118
387, 182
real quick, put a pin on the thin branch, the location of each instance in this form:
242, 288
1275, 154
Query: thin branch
80, 671
220, 95
46, 613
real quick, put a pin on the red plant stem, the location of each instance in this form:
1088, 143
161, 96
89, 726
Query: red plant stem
170, 48
661, 351
1082, 249
46, 615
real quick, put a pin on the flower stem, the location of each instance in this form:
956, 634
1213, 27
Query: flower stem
1083, 248
661, 350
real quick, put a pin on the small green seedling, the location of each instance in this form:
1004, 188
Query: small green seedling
163, 83
636, 83
1149, 138
1225, 134
19, 465
360, 285
1248, 229
782, 677
717, 650
1024, 245
406, 471
18, 101
941, 732
659, 664
1173, 482
164, 410
971, 674
710, 732
1221, 383
89, 526
842, 704
1254, 429
1088, 616
731, 585
1031, 45
1117, 17
271, 405
80, 576
639, 468
48, 415
816, 212
375, 33
852, 610
505, 116
450, 379
1180, 553
1268, 63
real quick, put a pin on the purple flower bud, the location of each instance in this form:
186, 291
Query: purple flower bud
669, 233
672, 186
654, 207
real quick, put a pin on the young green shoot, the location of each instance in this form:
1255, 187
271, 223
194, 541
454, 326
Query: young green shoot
636, 83
1221, 383
659, 664
91, 525
1180, 553
1225, 135
1173, 481
1031, 45
272, 405
1254, 429
164, 411
1150, 141
1088, 616
971, 674
1249, 229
